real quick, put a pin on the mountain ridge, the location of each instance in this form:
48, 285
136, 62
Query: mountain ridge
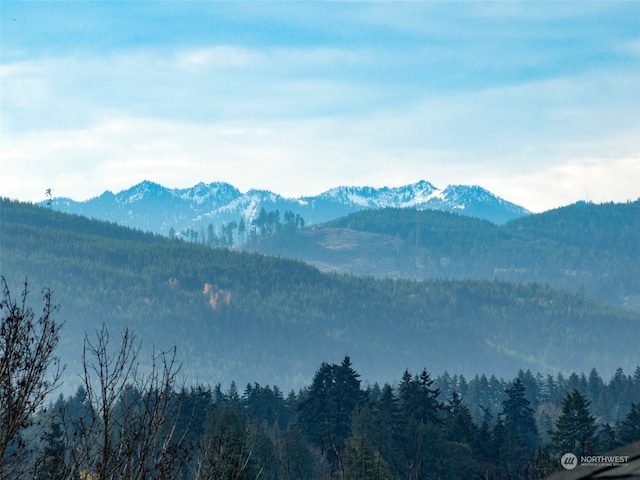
584, 248
152, 207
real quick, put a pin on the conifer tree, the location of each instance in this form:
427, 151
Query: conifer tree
606, 438
630, 426
386, 413
498, 441
519, 419
576, 427
52, 463
515, 433
418, 398
484, 443
325, 413
460, 426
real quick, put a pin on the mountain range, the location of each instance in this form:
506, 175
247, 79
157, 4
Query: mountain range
152, 207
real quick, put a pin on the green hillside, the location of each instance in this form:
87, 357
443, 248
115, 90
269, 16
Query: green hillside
253, 318
584, 248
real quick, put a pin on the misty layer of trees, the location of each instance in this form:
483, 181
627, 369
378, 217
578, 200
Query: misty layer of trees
237, 232
136, 418
280, 317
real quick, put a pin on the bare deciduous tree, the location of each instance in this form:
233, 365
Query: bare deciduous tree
129, 431
28, 370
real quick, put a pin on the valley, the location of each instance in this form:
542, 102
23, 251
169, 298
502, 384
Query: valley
244, 317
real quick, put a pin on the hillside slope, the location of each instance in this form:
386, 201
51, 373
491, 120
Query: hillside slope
584, 248
252, 318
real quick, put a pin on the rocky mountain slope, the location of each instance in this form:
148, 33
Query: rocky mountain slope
151, 207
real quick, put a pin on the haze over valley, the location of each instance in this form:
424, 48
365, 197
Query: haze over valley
318, 240
435, 321
534, 293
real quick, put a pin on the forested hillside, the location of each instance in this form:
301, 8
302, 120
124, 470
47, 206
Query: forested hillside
121, 423
251, 318
583, 248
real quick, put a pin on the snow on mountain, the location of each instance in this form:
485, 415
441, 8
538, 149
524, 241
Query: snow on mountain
247, 206
476, 201
139, 192
368, 197
150, 206
218, 193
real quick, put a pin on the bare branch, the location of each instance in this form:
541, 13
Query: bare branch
28, 369
131, 435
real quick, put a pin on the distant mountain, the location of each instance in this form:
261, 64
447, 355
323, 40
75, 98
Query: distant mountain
584, 248
254, 318
152, 207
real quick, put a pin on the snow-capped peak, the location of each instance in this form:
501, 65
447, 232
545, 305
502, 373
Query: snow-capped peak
150, 206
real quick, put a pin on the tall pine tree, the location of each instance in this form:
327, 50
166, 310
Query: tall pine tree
519, 418
576, 427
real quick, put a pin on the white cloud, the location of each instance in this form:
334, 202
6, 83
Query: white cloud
308, 156
220, 56
594, 179
431, 104
632, 47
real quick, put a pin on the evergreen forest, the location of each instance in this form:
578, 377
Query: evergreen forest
123, 422
150, 357
246, 317
583, 248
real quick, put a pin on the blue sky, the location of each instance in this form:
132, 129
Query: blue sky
537, 101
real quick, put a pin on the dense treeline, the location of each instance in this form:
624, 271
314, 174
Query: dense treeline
237, 232
126, 411
133, 418
250, 317
586, 248
335, 428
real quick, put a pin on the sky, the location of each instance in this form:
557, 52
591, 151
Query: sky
539, 102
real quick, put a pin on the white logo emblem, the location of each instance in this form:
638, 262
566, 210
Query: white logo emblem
569, 461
